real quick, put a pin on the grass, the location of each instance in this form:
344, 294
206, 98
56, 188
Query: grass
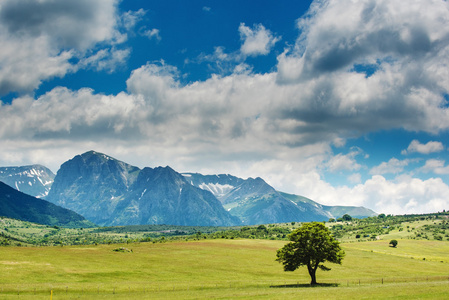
415, 249
224, 269
418, 229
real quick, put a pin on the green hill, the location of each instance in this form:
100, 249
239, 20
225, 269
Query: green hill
17, 205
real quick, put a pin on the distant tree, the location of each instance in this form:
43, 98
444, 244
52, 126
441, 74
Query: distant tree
381, 216
393, 243
346, 217
331, 220
311, 245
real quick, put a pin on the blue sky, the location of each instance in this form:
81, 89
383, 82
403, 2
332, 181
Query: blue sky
344, 102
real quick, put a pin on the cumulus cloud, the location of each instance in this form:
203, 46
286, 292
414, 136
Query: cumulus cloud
393, 166
403, 195
45, 39
63, 114
355, 178
61, 21
406, 48
436, 166
342, 162
256, 41
416, 146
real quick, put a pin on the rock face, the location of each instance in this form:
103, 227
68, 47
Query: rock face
34, 180
110, 192
163, 196
17, 205
92, 185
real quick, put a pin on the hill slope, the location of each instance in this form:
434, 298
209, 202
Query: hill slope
334, 211
17, 205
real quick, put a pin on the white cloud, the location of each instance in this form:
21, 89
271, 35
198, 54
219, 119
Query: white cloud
131, 18
404, 195
256, 41
44, 39
393, 166
221, 62
152, 33
341, 162
430, 147
61, 21
105, 59
355, 178
406, 44
436, 166
153, 82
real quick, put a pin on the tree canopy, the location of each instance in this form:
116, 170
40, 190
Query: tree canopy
346, 217
311, 245
393, 243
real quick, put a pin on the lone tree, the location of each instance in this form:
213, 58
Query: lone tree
393, 243
311, 245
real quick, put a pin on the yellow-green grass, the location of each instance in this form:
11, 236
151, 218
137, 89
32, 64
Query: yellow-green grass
413, 249
405, 230
220, 269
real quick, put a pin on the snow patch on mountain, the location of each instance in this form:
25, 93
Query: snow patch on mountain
217, 189
34, 180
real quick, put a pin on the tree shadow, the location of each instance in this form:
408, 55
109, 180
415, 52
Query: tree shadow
304, 285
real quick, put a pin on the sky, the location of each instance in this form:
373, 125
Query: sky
344, 102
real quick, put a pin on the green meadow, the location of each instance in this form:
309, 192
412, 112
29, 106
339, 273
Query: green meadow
223, 269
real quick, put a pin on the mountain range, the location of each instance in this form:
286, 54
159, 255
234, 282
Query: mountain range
256, 202
110, 192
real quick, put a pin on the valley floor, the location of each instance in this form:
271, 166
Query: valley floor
223, 269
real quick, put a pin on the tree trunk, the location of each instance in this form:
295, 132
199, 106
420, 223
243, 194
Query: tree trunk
312, 273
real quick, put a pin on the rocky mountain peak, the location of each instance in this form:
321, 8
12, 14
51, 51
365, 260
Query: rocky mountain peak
110, 192
35, 180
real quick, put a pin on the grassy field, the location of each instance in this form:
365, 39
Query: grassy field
224, 269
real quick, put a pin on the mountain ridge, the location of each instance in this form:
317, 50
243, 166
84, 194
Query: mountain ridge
110, 192
256, 202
